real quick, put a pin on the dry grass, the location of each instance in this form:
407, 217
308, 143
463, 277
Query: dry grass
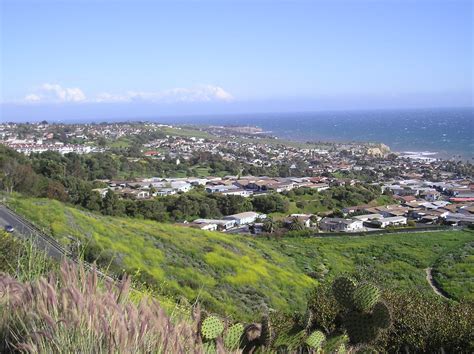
74, 311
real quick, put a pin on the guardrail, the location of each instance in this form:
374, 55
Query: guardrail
35, 232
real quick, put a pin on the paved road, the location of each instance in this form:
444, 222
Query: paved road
26, 230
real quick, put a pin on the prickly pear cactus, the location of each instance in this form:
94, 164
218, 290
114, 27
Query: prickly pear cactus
315, 339
381, 315
233, 336
212, 327
343, 289
365, 296
360, 327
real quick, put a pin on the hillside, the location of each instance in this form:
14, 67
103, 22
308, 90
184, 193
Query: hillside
228, 274
395, 261
236, 274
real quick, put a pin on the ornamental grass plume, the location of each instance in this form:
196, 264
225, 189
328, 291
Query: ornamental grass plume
74, 311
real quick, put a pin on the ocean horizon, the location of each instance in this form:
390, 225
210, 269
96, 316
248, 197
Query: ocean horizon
439, 133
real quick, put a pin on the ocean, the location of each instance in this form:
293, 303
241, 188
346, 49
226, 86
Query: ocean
444, 133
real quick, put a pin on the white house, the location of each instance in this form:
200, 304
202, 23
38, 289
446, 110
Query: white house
391, 221
181, 186
221, 224
368, 217
341, 225
247, 217
101, 191
242, 192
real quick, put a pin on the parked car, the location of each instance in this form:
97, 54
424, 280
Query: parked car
9, 228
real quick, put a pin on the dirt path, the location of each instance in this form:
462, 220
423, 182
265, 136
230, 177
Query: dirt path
436, 289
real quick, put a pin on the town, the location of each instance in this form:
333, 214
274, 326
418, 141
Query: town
422, 191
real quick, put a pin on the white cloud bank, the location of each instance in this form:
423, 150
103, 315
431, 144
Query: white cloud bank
54, 93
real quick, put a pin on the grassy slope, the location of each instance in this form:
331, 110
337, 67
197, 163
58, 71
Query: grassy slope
229, 274
234, 274
396, 260
455, 272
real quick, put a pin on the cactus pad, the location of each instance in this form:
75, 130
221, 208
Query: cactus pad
343, 289
233, 335
381, 315
360, 327
365, 296
315, 339
212, 327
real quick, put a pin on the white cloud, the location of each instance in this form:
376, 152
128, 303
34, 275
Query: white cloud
50, 93
32, 98
203, 93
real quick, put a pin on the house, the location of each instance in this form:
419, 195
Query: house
459, 219
220, 188
164, 192
241, 192
134, 193
368, 217
305, 219
181, 186
280, 186
247, 217
102, 191
202, 226
355, 208
341, 225
222, 225
390, 221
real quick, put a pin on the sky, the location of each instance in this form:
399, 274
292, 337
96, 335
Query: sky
108, 58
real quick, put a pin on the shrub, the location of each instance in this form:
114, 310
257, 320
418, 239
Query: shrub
77, 312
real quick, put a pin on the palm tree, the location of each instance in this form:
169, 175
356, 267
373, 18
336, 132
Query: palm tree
296, 224
269, 226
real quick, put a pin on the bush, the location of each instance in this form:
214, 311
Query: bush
80, 313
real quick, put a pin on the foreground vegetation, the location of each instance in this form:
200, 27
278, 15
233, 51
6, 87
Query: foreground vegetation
45, 307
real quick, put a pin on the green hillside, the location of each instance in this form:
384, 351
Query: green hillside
228, 274
455, 272
235, 275
395, 261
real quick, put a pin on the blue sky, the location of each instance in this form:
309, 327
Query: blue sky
101, 58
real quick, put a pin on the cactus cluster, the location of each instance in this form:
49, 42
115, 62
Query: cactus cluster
214, 332
364, 315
